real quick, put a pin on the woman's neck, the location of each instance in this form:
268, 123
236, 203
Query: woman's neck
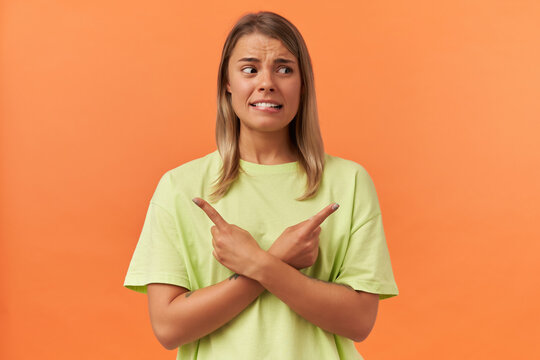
266, 148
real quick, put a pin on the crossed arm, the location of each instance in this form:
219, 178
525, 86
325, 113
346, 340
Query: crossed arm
179, 316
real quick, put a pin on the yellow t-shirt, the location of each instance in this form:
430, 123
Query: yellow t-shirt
175, 247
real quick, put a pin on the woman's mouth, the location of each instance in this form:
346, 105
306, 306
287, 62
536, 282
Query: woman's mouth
266, 106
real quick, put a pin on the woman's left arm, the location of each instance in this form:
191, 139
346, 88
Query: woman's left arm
333, 307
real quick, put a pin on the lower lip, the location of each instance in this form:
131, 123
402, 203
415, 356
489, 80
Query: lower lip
266, 109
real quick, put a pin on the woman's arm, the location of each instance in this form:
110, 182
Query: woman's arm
179, 316
335, 308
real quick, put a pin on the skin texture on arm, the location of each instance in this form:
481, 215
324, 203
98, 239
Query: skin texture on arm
334, 308
179, 316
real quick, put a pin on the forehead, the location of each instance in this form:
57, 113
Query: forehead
259, 45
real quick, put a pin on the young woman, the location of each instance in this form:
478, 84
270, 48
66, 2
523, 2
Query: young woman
266, 270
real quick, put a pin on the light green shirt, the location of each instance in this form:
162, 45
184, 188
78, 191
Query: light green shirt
175, 247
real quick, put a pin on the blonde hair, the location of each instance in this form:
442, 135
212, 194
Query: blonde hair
304, 129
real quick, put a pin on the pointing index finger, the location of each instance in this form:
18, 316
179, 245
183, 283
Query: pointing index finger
319, 218
210, 212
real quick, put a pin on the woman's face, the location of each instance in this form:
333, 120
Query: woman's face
264, 83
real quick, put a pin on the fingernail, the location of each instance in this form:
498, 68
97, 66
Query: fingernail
335, 206
196, 201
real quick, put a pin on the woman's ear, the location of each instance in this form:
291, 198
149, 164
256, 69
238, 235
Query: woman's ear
228, 88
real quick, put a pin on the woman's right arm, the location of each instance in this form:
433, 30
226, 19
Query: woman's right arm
180, 316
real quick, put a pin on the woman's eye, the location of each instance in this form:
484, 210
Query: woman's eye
285, 70
249, 70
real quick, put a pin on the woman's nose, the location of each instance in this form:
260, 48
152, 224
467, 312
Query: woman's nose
267, 82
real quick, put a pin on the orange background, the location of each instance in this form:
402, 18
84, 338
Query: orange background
438, 100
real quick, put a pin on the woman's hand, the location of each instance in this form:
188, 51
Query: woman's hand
298, 245
234, 247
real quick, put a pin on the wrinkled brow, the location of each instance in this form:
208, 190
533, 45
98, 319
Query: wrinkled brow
277, 61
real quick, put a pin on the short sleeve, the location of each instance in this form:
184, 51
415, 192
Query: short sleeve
366, 265
156, 258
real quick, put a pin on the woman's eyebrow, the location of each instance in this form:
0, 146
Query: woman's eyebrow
277, 61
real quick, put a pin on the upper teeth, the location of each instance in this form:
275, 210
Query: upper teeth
266, 104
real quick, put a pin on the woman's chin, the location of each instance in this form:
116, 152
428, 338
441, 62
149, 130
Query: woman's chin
266, 125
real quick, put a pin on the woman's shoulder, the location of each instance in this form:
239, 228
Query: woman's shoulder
349, 173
